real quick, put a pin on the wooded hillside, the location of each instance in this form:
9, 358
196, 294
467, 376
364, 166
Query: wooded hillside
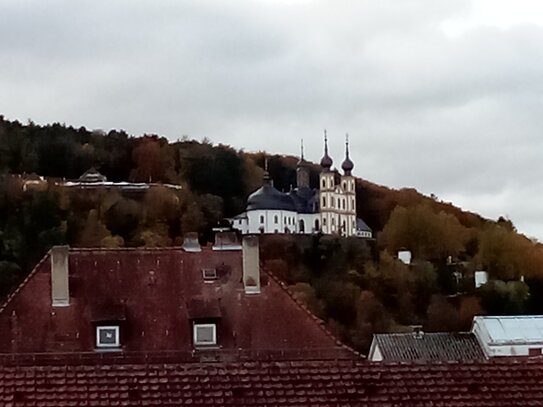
357, 286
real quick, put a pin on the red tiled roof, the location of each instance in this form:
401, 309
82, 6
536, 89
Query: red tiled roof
155, 293
504, 382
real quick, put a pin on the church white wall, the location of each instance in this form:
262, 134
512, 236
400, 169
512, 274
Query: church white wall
273, 221
309, 222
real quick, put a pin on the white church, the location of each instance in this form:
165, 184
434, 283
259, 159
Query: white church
330, 209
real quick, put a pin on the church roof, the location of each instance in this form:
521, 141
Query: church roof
303, 198
269, 198
92, 175
361, 225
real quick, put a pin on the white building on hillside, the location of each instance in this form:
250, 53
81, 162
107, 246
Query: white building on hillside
331, 209
518, 335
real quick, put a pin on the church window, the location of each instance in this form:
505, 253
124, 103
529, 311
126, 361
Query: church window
343, 203
324, 222
352, 203
323, 183
261, 218
317, 225
276, 219
330, 183
332, 202
333, 221
323, 202
285, 220
344, 185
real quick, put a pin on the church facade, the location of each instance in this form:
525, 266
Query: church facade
330, 209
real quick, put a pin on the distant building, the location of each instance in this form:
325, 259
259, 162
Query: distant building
520, 335
331, 209
92, 179
425, 346
481, 278
405, 256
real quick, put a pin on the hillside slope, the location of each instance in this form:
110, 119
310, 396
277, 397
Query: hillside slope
357, 286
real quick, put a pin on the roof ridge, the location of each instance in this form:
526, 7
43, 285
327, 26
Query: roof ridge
320, 323
24, 282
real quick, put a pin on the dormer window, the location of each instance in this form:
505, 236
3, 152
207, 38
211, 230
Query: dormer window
108, 336
205, 334
204, 316
209, 274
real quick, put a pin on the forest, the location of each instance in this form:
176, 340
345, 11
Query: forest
357, 286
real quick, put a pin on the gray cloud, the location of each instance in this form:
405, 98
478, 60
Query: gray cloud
455, 116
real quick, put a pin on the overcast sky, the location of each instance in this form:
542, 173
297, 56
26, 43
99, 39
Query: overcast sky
445, 96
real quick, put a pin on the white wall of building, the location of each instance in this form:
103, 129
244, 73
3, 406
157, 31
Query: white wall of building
509, 335
375, 354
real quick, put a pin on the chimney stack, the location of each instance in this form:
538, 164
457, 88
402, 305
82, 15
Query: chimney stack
226, 241
60, 290
191, 243
251, 265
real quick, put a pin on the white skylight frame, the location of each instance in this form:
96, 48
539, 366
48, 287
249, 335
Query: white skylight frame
209, 274
117, 330
195, 329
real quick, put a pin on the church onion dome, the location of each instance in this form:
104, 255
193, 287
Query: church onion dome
269, 198
347, 165
326, 160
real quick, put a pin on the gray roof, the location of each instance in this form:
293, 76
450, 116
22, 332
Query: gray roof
439, 346
512, 329
267, 197
361, 225
92, 175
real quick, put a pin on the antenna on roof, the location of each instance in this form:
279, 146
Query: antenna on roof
302, 149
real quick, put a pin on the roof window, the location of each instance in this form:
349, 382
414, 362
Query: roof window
209, 274
108, 336
205, 334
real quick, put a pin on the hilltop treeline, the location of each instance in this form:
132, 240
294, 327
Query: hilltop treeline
357, 286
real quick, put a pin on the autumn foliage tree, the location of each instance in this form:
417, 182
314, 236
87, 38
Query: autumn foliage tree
428, 234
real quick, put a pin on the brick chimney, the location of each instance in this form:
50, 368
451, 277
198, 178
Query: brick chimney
60, 290
251, 265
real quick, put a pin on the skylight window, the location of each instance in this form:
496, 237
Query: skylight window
209, 274
205, 334
107, 337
